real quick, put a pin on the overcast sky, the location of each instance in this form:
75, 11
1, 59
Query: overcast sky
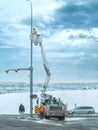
70, 39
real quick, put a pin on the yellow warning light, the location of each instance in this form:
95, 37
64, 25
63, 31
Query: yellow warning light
36, 109
16, 70
7, 71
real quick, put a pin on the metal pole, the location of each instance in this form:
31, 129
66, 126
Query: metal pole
31, 67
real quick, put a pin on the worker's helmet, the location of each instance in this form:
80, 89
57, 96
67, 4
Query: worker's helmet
34, 28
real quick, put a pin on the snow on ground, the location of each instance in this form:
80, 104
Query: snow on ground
79, 97
9, 103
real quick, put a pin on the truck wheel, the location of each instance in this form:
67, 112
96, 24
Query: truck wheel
47, 117
61, 118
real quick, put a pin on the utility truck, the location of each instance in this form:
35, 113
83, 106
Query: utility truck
54, 107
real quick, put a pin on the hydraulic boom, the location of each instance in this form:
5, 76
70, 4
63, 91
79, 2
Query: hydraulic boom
37, 40
54, 107
46, 67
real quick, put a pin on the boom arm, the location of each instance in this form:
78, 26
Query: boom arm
46, 99
46, 67
37, 39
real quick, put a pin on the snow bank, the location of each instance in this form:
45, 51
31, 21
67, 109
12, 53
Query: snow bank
9, 103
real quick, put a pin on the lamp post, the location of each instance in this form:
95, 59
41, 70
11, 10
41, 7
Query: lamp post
31, 67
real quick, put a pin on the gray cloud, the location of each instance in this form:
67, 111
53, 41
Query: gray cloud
73, 15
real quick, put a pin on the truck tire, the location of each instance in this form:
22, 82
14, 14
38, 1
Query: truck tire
47, 117
61, 118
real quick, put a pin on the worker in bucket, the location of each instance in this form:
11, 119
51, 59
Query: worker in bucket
21, 110
34, 31
41, 111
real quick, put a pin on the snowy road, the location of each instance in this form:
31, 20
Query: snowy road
68, 124
6, 124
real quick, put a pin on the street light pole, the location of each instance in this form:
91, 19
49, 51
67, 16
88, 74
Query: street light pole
31, 67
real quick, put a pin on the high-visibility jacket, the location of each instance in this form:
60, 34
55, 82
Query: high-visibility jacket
41, 109
34, 31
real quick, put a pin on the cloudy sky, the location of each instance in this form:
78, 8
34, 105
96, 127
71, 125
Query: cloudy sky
70, 39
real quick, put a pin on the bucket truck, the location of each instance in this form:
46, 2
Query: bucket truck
54, 108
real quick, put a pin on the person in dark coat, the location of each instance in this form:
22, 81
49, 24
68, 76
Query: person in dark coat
21, 110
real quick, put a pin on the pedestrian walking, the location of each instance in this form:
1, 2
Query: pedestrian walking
21, 110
